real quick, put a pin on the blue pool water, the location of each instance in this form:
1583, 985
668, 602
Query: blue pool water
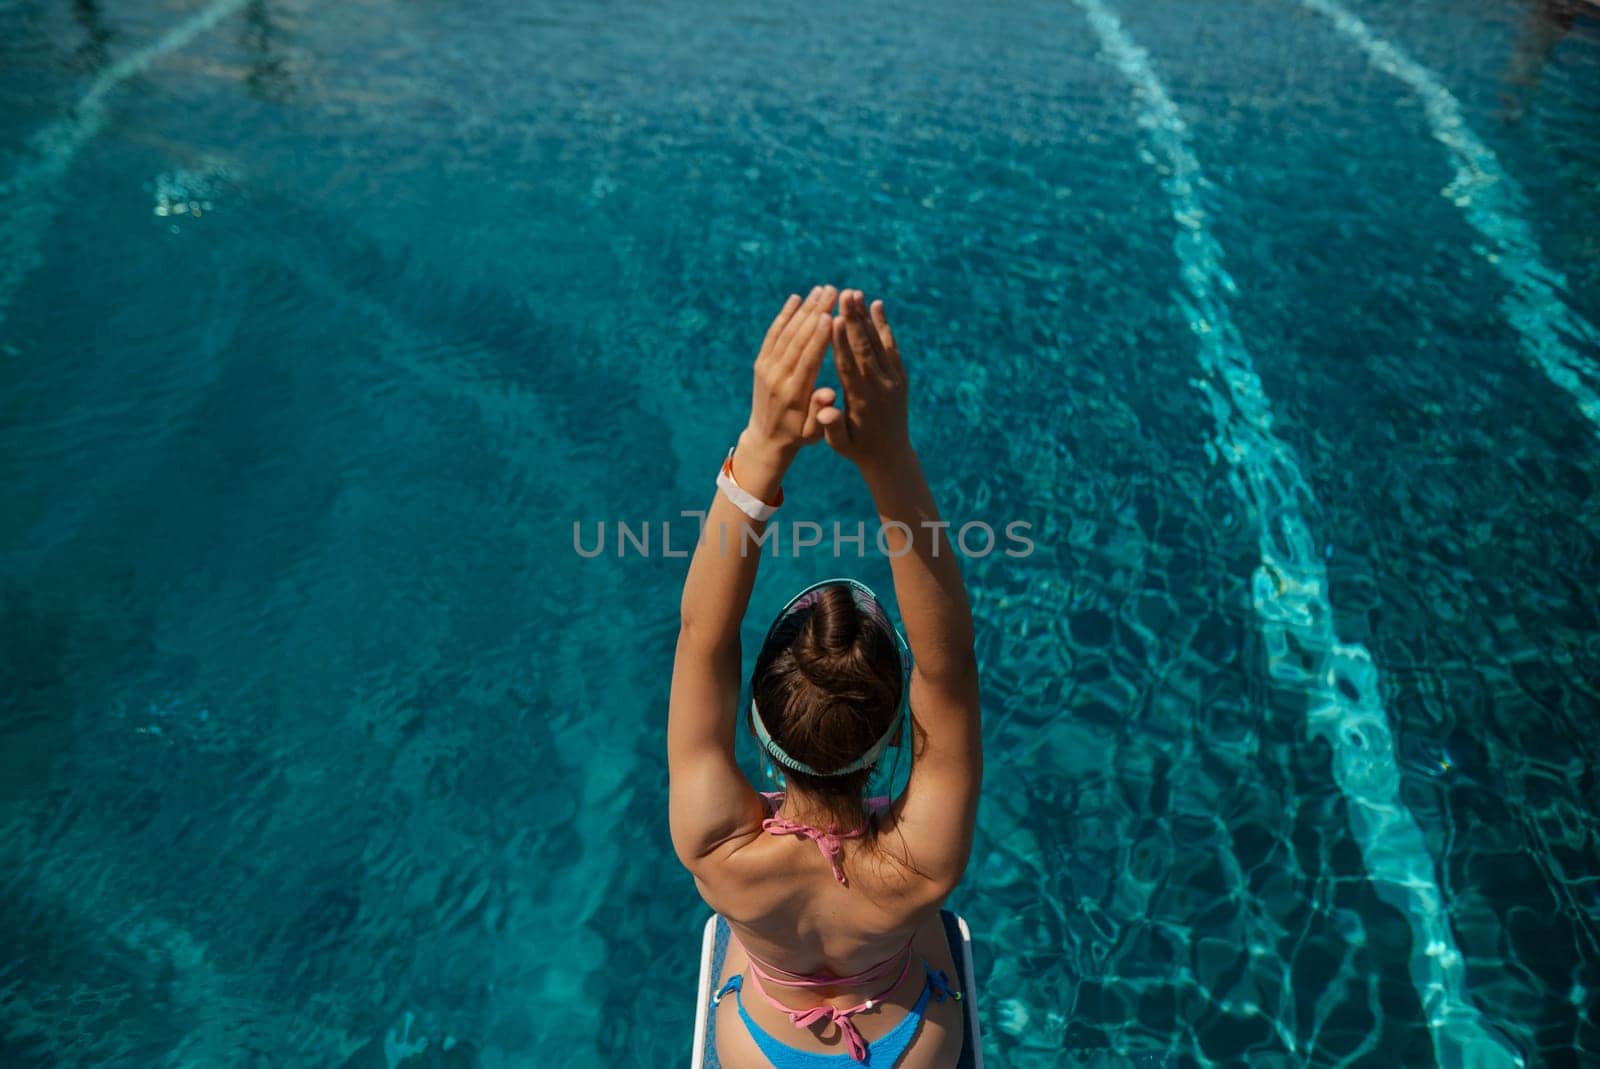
320, 744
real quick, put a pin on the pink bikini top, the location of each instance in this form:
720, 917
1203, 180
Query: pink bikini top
830, 843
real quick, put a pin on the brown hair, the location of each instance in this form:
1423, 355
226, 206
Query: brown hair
828, 683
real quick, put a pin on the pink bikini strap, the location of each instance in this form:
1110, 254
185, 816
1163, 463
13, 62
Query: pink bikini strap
829, 842
806, 1018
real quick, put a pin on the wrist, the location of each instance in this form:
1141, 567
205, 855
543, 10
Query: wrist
890, 466
759, 464
761, 448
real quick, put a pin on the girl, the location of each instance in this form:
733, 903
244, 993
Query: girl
838, 954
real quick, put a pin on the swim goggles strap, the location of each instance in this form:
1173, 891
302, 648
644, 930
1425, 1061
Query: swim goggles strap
744, 500
779, 754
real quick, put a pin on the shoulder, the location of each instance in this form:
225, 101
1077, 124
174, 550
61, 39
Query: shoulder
900, 869
727, 861
745, 880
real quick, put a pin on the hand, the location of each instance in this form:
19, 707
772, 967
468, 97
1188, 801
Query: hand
873, 428
786, 404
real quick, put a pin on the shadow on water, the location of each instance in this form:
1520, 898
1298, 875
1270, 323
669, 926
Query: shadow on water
270, 76
480, 342
243, 921
1547, 24
92, 52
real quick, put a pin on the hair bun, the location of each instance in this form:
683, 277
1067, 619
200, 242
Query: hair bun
833, 624
829, 683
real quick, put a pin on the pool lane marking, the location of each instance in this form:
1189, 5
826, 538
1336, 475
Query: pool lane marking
27, 197
1492, 202
1289, 589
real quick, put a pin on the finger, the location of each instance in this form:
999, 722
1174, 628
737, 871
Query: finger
810, 349
813, 298
821, 401
835, 428
796, 321
782, 351
785, 314
844, 355
891, 351
799, 342
863, 338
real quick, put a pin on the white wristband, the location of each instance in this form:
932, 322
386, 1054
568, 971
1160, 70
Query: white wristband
745, 501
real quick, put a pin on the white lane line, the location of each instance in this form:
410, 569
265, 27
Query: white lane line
27, 197
1289, 588
1551, 331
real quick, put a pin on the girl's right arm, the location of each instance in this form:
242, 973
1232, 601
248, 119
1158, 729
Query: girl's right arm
939, 807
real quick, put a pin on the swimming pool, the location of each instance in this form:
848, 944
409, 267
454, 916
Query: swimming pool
323, 325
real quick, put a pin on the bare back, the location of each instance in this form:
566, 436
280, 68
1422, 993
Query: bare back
781, 900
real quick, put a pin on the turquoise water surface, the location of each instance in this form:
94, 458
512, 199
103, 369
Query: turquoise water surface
321, 325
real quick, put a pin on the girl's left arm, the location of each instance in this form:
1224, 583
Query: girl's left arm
712, 806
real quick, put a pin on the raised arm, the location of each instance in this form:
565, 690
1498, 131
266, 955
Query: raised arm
939, 807
711, 803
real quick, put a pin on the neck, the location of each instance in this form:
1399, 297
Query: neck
848, 813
